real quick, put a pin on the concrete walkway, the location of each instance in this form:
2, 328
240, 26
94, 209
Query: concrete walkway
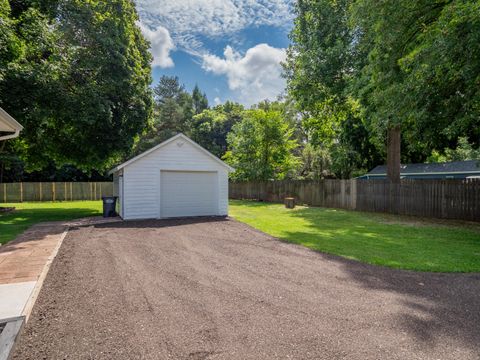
24, 263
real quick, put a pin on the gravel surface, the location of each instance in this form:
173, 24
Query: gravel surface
218, 289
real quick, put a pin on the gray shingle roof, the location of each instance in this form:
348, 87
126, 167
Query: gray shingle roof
446, 167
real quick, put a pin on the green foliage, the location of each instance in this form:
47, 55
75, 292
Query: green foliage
260, 147
421, 69
464, 151
200, 101
315, 163
78, 80
318, 61
211, 127
358, 67
321, 64
173, 113
11, 47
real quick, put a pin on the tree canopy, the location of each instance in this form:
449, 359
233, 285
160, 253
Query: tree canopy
260, 146
76, 74
357, 68
359, 73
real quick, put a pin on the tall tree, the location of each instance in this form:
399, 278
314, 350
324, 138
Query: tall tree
173, 113
411, 67
81, 89
200, 101
321, 63
422, 71
261, 146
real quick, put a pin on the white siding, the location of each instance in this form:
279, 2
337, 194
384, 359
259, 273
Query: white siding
141, 178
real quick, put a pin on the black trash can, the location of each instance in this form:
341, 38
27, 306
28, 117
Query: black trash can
109, 206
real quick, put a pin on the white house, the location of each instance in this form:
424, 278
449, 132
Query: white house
9, 127
177, 178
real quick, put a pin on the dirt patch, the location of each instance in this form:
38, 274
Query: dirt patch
218, 289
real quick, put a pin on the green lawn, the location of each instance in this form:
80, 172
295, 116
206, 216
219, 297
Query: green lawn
398, 242
28, 214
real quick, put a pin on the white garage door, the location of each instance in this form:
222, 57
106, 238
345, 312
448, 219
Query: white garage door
188, 193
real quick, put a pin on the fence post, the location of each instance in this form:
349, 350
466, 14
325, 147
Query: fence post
21, 191
4, 192
353, 194
40, 191
71, 191
53, 191
65, 190
444, 201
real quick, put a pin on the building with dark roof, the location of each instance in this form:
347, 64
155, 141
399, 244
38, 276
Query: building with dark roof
447, 170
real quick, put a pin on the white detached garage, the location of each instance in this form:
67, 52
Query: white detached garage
177, 178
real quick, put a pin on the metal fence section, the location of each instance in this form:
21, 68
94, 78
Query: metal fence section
54, 191
448, 199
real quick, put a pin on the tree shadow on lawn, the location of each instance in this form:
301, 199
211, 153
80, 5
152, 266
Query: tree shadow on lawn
434, 305
365, 237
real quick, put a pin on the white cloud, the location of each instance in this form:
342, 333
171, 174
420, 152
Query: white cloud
252, 77
217, 101
189, 19
161, 44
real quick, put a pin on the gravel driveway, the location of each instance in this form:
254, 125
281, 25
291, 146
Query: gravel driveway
218, 289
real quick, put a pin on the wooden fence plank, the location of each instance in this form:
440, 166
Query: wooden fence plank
51, 191
449, 199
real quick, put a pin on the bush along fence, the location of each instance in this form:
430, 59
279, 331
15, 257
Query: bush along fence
54, 191
447, 199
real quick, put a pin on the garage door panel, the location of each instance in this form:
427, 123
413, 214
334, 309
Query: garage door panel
188, 193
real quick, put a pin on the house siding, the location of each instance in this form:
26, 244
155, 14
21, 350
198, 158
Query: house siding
141, 178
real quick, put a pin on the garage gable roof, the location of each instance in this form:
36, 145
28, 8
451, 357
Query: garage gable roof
9, 124
166, 142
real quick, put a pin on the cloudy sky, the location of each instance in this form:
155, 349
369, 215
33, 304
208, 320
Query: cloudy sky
231, 48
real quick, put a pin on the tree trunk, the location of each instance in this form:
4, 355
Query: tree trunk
393, 154
290, 202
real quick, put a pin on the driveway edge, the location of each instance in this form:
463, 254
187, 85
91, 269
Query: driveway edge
27, 310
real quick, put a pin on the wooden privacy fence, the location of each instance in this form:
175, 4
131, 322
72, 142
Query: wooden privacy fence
54, 191
448, 199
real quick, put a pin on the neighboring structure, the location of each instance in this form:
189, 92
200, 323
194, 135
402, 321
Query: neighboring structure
9, 127
448, 170
177, 178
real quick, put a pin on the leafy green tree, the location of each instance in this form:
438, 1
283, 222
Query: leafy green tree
321, 63
79, 83
286, 106
464, 151
421, 69
173, 112
211, 127
168, 88
410, 67
315, 163
200, 101
11, 47
261, 146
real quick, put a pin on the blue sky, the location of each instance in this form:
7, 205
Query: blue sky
231, 48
